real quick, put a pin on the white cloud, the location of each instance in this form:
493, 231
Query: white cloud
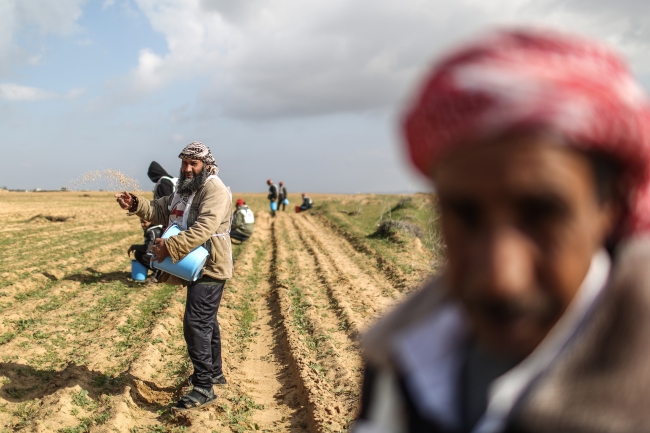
107, 4
266, 58
46, 16
178, 138
75, 93
15, 92
18, 93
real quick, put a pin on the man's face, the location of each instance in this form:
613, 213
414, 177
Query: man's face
191, 167
521, 220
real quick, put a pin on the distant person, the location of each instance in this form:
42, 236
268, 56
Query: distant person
538, 146
165, 183
243, 222
282, 196
273, 196
306, 203
140, 251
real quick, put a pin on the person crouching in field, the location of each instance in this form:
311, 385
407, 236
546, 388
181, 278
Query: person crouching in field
243, 222
140, 252
201, 209
538, 145
306, 203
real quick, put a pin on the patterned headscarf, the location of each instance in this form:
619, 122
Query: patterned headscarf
198, 150
514, 80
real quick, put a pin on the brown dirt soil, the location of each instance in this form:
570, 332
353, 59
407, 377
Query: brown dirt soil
84, 348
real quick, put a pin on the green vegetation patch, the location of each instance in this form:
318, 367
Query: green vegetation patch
385, 227
245, 307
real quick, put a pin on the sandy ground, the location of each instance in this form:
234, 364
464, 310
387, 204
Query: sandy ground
83, 348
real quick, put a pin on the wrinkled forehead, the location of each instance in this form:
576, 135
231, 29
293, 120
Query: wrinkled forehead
514, 166
190, 161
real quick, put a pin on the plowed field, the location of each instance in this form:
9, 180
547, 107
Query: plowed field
84, 348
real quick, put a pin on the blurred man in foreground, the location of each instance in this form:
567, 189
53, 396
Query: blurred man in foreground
538, 145
201, 209
243, 222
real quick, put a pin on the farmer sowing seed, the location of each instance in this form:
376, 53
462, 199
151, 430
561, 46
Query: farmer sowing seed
273, 195
538, 145
282, 196
201, 207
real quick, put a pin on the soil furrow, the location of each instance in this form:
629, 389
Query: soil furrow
336, 245
333, 315
348, 281
264, 372
388, 269
329, 338
313, 356
339, 239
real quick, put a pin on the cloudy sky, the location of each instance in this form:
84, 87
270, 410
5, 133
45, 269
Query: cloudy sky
308, 92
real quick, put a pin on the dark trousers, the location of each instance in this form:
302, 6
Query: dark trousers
281, 203
143, 258
201, 329
235, 234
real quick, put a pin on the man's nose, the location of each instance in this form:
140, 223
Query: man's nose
507, 264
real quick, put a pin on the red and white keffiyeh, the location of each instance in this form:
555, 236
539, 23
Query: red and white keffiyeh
518, 79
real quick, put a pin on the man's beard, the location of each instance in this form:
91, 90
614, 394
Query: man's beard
190, 185
537, 305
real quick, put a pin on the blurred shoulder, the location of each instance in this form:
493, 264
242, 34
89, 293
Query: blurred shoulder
631, 266
377, 342
633, 252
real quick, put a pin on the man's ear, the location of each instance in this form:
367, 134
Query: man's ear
610, 216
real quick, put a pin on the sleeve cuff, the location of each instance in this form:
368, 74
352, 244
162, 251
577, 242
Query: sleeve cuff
172, 250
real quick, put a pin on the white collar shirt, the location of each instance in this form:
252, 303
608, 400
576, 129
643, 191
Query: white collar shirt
431, 356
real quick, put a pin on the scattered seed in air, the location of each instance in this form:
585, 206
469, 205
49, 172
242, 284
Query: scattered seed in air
116, 180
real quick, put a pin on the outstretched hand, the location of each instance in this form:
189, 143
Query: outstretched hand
125, 200
159, 250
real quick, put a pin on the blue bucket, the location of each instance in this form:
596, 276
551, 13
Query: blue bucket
274, 206
138, 271
285, 201
189, 267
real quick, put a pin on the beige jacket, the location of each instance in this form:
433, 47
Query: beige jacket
599, 384
209, 214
